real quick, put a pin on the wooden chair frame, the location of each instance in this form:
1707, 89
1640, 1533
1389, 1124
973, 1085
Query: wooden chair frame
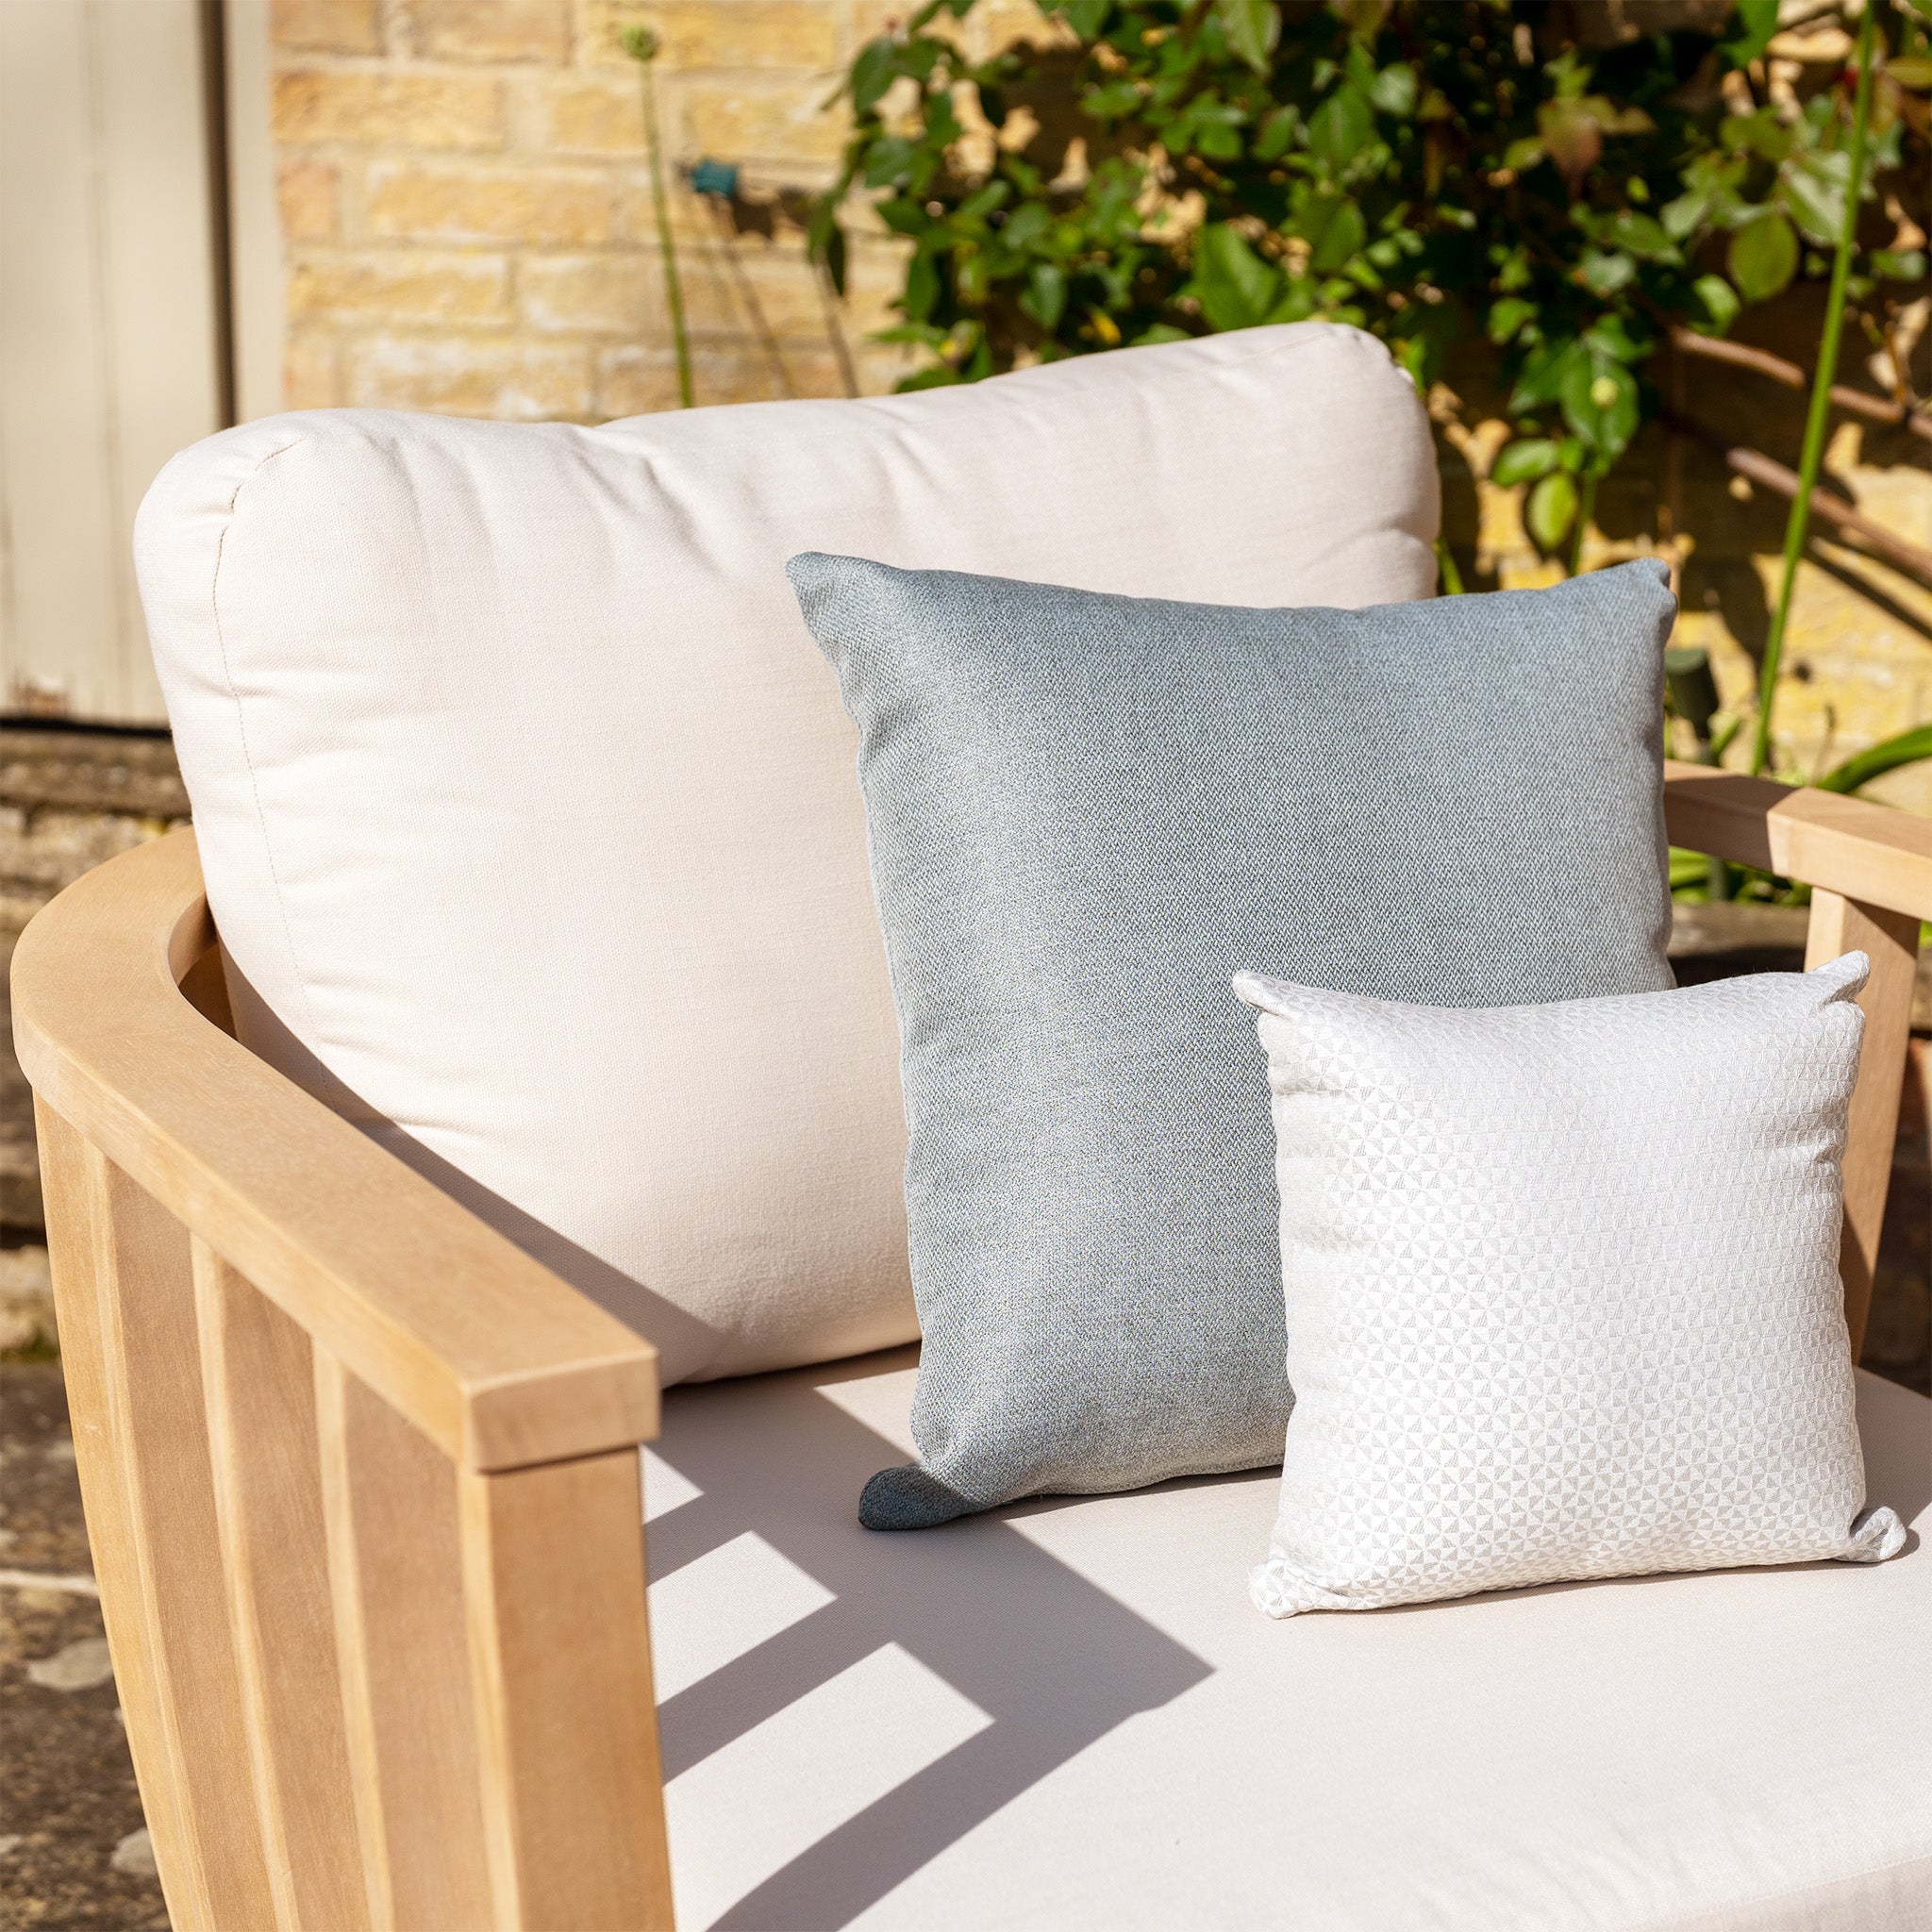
361, 1478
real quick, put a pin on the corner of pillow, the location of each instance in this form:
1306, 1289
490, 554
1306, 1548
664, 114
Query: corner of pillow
1277, 1590
1654, 575
1840, 980
910, 1497
1877, 1537
809, 570
1254, 990
818, 580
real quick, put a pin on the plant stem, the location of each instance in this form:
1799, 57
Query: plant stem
1586, 508
1799, 521
673, 294
1452, 578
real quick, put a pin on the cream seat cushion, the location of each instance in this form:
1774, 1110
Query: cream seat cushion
1067, 1715
528, 806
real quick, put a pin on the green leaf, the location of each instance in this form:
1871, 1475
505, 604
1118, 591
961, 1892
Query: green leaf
1276, 134
873, 72
1508, 316
832, 253
905, 216
922, 287
1523, 462
1687, 868
1815, 186
1340, 125
976, 208
1333, 227
1753, 25
1160, 332
1642, 235
1253, 27
1604, 274
1522, 155
1761, 133
1719, 300
1908, 748
1551, 509
1607, 336
1085, 17
1045, 299
887, 162
1219, 137
1900, 264
1682, 216
1600, 404
1026, 226
1763, 256
1110, 102
1544, 370
1235, 287
1572, 136
1393, 89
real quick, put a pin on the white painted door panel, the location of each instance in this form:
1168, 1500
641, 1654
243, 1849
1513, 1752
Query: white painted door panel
110, 350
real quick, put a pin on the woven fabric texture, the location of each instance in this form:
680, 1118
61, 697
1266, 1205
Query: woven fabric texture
1562, 1289
1087, 811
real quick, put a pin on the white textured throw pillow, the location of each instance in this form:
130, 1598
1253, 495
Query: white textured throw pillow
1562, 1282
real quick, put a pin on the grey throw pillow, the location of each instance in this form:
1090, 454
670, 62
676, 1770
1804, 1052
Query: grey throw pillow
1086, 813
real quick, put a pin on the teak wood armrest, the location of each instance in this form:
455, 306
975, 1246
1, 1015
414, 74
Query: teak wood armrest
360, 1477
496, 1360
1844, 846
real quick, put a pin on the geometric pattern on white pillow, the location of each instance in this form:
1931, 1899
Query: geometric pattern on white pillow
1562, 1289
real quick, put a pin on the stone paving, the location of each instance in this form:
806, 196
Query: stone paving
73, 1849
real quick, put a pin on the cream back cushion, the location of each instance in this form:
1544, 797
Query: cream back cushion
527, 807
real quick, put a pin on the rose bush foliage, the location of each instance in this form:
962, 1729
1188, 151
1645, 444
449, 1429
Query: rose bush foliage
1429, 169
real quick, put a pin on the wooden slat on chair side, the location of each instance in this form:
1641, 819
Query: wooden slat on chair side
260, 1385
554, 1574
1890, 940
96, 1453
167, 1573
395, 1567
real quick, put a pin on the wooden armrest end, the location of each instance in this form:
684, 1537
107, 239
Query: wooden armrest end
1847, 845
492, 1356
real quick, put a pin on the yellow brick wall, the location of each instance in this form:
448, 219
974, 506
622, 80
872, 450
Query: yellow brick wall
466, 213
467, 227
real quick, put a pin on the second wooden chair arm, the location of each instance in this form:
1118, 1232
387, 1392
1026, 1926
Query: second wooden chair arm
1845, 845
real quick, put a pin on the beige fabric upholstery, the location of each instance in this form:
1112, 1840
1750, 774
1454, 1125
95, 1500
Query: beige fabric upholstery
528, 806
1068, 1715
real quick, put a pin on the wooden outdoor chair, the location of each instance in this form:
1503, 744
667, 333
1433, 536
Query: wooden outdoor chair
362, 1479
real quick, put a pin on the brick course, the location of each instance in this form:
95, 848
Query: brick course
466, 212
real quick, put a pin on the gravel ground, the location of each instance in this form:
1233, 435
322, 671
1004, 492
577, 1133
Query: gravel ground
73, 1851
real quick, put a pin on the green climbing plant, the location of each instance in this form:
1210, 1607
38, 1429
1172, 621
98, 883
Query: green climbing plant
1433, 171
